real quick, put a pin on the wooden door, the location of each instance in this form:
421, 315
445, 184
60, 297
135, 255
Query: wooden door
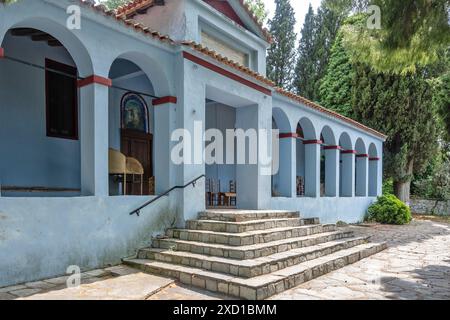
138, 145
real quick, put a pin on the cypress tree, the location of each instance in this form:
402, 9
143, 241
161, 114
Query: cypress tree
305, 68
328, 24
335, 89
281, 54
318, 36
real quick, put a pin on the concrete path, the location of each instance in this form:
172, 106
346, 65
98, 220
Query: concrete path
415, 266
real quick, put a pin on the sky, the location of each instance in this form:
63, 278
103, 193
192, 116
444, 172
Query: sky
300, 7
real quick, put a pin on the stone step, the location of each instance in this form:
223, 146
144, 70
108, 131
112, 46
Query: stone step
264, 286
248, 238
246, 215
240, 227
252, 251
254, 267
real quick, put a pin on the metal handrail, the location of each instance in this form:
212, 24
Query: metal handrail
193, 183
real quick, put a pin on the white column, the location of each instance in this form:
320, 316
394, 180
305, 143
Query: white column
312, 169
362, 163
94, 136
165, 123
348, 173
332, 159
254, 180
373, 177
287, 168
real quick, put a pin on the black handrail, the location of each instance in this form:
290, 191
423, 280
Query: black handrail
193, 182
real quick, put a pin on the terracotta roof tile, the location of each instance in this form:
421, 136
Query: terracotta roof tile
132, 6
318, 107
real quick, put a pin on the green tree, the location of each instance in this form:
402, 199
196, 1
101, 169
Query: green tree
336, 86
328, 24
114, 4
318, 36
281, 54
411, 35
259, 9
305, 67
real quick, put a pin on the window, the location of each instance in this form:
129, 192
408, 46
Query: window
220, 47
61, 100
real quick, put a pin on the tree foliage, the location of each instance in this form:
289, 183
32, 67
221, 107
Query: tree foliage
402, 107
318, 36
336, 86
259, 9
411, 35
281, 54
114, 4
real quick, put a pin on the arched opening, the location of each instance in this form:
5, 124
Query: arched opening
282, 178
40, 123
347, 165
361, 169
374, 160
308, 159
131, 128
329, 164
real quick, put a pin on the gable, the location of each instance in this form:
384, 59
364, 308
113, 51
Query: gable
225, 8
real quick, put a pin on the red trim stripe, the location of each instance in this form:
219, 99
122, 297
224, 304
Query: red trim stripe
288, 135
312, 142
349, 152
2, 53
164, 100
332, 148
374, 159
362, 155
226, 73
94, 79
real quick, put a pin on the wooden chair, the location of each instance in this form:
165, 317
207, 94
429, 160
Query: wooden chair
134, 167
118, 166
212, 192
230, 197
300, 186
151, 186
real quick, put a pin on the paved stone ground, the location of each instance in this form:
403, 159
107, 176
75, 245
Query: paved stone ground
415, 266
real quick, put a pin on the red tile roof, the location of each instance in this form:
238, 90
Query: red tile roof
133, 6
224, 60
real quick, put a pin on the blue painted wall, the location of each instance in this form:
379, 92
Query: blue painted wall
29, 157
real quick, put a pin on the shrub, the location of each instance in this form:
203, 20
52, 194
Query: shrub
388, 209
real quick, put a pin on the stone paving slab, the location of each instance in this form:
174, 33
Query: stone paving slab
131, 286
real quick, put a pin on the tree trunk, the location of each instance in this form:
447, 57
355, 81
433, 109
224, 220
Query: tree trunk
402, 191
402, 188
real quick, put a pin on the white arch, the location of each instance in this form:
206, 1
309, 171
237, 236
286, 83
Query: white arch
154, 71
68, 39
308, 158
331, 165
283, 183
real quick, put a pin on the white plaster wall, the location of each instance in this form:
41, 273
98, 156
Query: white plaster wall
41, 237
329, 210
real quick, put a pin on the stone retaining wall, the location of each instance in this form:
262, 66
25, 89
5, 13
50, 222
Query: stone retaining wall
441, 208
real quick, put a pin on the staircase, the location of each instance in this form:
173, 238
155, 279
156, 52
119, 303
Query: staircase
252, 254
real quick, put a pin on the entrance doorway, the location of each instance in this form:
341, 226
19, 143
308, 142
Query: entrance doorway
139, 145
